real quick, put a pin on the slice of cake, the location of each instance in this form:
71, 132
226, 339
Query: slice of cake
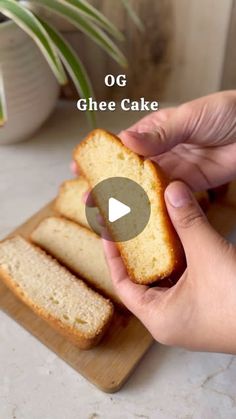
78, 248
70, 200
53, 293
156, 253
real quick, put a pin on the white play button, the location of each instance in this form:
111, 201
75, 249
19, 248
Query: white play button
124, 206
117, 210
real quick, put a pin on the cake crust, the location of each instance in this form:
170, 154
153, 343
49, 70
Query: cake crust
83, 340
175, 250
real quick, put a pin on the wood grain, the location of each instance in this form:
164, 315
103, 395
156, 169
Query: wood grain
186, 50
199, 39
109, 364
148, 52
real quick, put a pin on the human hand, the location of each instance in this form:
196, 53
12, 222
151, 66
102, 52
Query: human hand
195, 142
198, 312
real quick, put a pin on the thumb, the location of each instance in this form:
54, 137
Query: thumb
162, 135
190, 222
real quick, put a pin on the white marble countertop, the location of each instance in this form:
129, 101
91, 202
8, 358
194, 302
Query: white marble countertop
34, 382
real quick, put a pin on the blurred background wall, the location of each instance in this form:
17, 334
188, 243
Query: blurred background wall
187, 49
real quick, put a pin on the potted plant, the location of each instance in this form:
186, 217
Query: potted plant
35, 59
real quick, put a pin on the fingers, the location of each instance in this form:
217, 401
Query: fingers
142, 137
160, 135
130, 293
143, 143
150, 121
207, 121
100, 220
149, 305
88, 199
74, 168
189, 221
201, 167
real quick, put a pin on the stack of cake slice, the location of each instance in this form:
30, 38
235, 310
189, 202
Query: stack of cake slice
68, 282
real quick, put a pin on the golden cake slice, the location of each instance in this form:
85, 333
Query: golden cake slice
155, 253
53, 293
78, 248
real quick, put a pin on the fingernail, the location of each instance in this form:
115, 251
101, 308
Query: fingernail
73, 167
178, 194
139, 135
105, 235
100, 220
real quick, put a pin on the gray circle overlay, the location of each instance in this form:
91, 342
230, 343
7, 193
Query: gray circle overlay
127, 192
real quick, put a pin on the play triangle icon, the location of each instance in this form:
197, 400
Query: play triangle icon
117, 210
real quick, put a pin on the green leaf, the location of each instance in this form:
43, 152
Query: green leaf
79, 20
3, 110
73, 65
98, 17
136, 19
26, 20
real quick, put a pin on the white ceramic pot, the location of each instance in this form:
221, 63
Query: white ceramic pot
30, 86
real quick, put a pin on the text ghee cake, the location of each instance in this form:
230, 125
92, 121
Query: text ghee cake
156, 253
78, 248
53, 293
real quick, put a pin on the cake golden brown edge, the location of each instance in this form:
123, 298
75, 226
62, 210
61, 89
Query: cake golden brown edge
178, 258
77, 338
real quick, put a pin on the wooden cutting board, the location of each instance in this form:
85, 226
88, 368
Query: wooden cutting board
109, 364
